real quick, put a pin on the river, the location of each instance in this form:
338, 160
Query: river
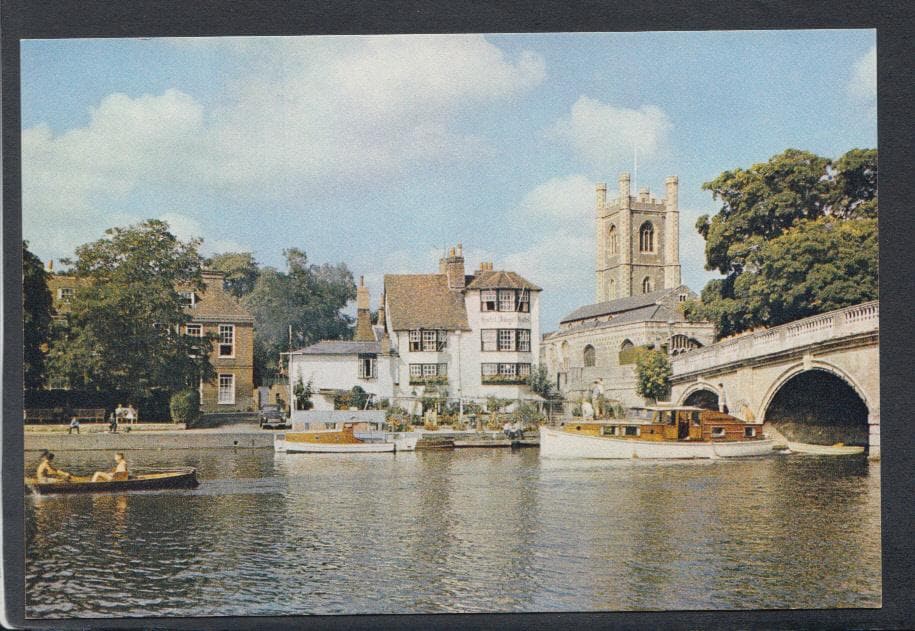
462, 531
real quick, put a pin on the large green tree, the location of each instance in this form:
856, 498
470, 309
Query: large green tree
126, 314
241, 271
794, 236
307, 297
36, 317
653, 370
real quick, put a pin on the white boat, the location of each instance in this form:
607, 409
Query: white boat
825, 450
657, 432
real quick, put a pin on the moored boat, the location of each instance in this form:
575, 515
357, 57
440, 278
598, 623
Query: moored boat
181, 478
657, 432
344, 440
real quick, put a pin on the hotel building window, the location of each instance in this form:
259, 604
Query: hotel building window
187, 298
227, 340
428, 340
488, 300
506, 339
226, 394
506, 300
193, 330
65, 294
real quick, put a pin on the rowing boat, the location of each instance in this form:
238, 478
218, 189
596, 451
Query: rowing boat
183, 478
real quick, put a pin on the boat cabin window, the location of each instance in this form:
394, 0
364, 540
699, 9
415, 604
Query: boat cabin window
330, 426
717, 432
695, 418
749, 432
610, 430
631, 430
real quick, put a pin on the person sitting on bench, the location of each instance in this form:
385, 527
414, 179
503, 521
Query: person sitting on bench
118, 473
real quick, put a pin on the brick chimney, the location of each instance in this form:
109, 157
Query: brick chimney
363, 314
381, 314
453, 266
50, 265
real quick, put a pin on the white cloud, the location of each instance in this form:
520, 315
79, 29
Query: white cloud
557, 262
566, 198
301, 114
863, 83
603, 134
187, 228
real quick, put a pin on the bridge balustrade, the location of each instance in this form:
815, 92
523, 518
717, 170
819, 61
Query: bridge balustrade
861, 318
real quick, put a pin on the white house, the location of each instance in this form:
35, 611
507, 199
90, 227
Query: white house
469, 336
462, 336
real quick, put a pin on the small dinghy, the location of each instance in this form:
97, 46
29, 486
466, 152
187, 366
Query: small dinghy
183, 478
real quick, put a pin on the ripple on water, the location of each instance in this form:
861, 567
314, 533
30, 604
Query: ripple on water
486, 530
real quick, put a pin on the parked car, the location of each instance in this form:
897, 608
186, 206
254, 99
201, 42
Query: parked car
271, 417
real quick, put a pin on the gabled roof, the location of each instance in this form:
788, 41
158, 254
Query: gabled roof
424, 301
339, 347
497, 279
214, 303
622, 305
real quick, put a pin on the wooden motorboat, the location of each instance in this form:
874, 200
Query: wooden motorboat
825, 450
342, 440
657, 432
183, 478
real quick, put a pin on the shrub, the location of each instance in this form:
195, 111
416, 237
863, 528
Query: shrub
184, 406
653, 374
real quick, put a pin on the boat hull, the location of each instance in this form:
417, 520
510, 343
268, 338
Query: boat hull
178, 479
559, 444
332, 448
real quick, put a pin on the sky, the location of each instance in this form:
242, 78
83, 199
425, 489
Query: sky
382, 151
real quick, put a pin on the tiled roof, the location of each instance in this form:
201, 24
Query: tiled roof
339, 347
214, 303
620, 305
424, 301
649, 313
500, 280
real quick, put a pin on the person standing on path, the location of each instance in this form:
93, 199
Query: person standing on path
722, 399
74, 424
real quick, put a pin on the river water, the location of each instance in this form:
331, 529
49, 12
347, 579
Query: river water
463, 531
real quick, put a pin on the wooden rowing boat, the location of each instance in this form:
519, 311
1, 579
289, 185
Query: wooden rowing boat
183, 478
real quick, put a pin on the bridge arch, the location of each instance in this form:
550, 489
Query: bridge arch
701, 394
801, 367
818, 402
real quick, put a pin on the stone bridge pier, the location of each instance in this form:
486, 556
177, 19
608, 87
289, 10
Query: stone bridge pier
749, 371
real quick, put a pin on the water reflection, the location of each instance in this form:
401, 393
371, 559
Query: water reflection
473, 530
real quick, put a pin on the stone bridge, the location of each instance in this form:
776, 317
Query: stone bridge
751, 370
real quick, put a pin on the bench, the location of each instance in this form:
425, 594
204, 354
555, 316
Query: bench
43, 415
89, 414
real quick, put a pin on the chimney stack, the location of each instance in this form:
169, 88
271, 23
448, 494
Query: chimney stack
50, 265
454, 268
381, 314
364, 331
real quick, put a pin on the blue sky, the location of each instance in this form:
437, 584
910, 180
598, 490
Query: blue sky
381, 151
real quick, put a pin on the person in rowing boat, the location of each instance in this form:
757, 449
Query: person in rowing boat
46, 472
118, 472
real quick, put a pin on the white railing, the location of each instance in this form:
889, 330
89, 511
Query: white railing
861, 318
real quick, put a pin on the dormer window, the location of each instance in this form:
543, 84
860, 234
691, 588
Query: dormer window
187, 298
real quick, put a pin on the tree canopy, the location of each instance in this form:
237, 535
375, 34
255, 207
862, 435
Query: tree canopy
241, 271
653, 372
36, 317
307, 297
124, 328
794, 236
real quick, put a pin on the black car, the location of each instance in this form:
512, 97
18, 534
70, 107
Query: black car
271, 417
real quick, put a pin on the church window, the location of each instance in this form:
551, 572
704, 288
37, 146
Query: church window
646, 285
646, 237
589, 356
613, 241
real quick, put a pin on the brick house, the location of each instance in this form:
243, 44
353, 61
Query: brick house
213, 311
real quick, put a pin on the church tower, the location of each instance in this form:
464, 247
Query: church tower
637, 241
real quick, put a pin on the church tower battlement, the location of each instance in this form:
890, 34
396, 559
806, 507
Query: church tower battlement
637, 241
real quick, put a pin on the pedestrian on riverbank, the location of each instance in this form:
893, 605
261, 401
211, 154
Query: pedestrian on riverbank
113, 424
74, 424
722, 400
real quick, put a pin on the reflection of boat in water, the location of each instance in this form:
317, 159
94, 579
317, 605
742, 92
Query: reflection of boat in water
657, 432
183, 478
343, 438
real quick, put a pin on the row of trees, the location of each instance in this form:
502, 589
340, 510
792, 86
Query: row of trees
119, 334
